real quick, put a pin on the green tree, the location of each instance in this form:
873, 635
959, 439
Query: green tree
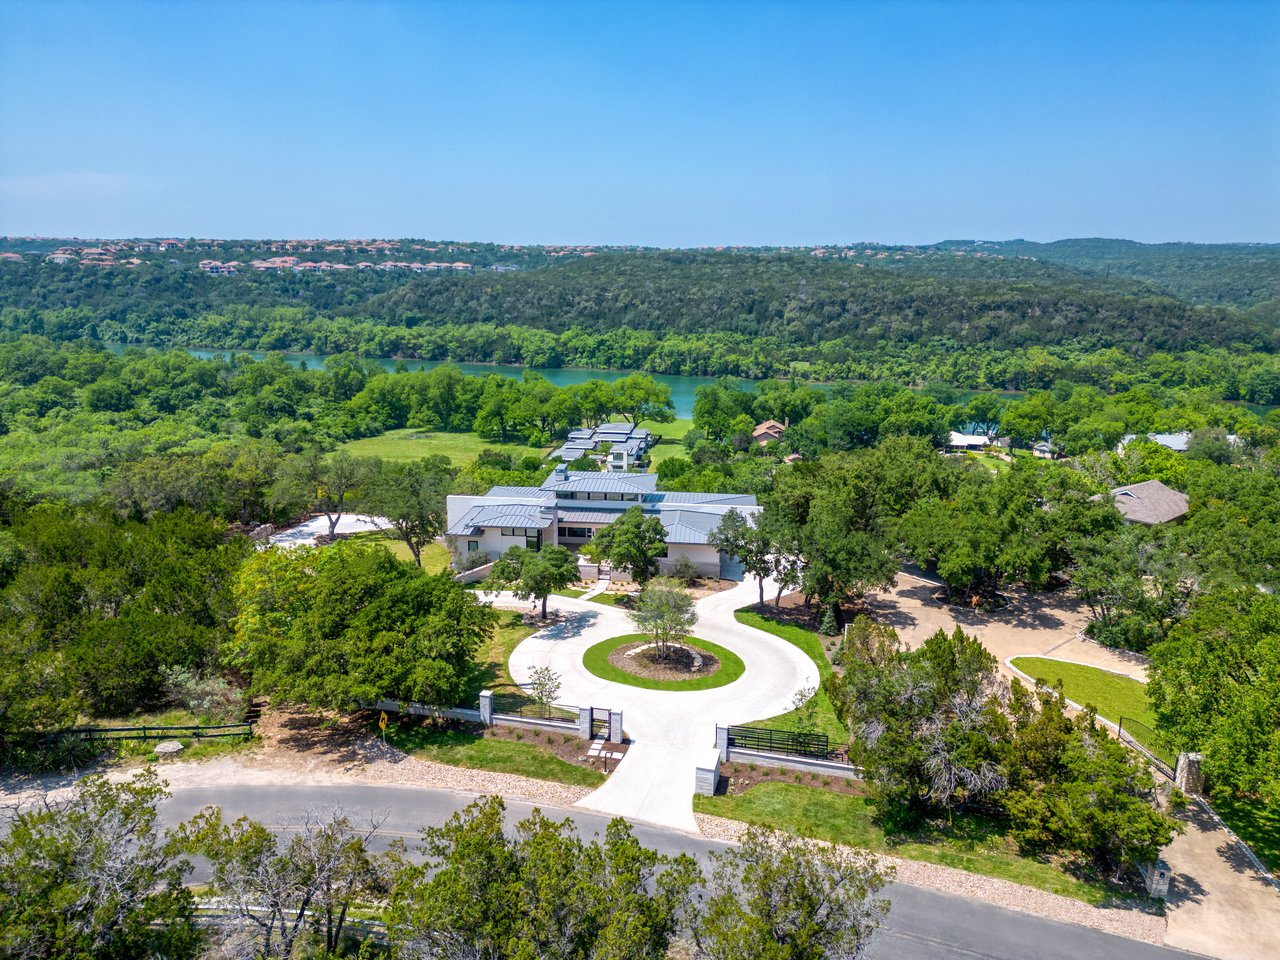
410, 497
90, 876
278, 887
544, 684
640, 398
323, 483
633, 543
777, 897
1215, 686
538, 891
749, 542
665, 613
535, 574
350, 624
927, 721
1075, 789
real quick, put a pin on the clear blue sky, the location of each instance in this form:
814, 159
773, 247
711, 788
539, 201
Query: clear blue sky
673, 124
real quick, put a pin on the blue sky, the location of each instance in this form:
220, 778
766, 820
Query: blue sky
672, 124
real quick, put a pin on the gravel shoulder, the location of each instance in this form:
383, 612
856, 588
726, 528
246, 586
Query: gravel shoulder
1133, 924
300, 748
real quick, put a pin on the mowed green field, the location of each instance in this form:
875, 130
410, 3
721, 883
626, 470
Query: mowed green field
435, 556
1112, 695
670, 445
413, 444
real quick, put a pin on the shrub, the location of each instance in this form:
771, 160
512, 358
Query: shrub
470, 561
207, 695
684, 569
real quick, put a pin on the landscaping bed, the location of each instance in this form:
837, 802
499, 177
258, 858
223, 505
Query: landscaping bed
598, 660
682, 662
738, 777
541, 754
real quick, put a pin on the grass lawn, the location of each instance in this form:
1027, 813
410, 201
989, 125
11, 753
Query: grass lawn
670, 445
435, 556
811, 645
991, 463
1112, 695
973, 844
413, 444
1256, 824
461, 749
596, 659
491, 672
675, 430
606, 599
568, 592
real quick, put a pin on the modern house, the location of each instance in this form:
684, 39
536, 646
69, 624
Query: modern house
627, 446
1149, 503
571, 505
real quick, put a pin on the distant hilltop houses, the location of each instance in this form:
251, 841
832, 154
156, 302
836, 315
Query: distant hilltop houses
376, 255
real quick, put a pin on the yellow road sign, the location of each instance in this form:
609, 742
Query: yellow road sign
382, 721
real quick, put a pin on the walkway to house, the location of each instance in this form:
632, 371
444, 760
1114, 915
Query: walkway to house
671, 732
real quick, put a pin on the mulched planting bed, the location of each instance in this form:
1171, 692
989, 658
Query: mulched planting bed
681, 662
568, 747
738, 777
599, 659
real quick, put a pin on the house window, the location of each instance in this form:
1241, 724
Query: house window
473, 546
613, 496
596, 496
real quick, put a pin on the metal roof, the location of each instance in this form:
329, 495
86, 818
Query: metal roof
726, 499
571, 515
529, 493
502, 515
689, 526
566, 481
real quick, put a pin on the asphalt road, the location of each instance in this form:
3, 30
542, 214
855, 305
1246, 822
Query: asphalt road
923, 924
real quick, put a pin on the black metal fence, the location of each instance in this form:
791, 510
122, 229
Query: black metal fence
509, 705
786, 742
1139, 735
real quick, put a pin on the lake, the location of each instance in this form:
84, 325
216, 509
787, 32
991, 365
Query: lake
682, 388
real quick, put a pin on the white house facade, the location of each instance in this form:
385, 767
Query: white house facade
570, 506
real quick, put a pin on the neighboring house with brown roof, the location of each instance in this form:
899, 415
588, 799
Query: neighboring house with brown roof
768, 431
1150, 502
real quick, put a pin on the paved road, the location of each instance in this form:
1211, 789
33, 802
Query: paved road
672, 733
923, 924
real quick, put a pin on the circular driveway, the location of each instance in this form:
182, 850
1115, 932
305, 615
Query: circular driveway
672, 732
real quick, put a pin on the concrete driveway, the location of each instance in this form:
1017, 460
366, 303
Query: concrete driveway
672, 733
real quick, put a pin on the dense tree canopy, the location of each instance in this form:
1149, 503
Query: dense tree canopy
347, 624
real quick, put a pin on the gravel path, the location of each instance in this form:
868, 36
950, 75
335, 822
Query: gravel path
1001, 893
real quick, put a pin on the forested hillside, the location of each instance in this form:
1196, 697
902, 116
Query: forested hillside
829, 313
1245, 275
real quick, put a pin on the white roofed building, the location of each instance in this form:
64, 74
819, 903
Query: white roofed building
571, 505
